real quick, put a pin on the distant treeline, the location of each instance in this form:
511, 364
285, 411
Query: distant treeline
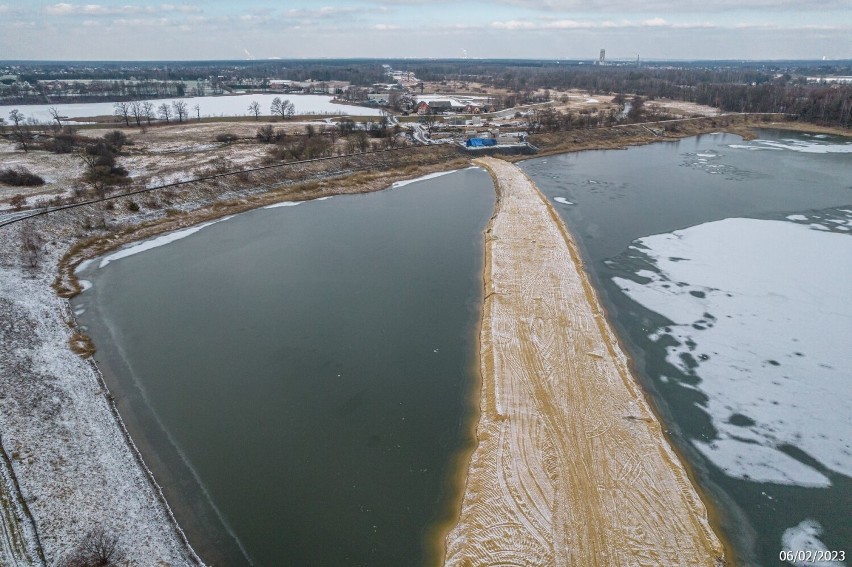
358, 72
734, 88
731, 86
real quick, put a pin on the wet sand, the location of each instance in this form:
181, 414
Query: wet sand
571, 467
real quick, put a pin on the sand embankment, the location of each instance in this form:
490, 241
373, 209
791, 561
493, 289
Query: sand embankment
571, 467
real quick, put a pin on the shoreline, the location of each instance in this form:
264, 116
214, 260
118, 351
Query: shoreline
522, 509
69, 248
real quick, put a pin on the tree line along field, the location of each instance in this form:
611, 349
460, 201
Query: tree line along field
784, 87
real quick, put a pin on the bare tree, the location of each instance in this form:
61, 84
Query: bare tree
363, 141
98, 549
429, 121
20, 128
283, 108
165, 112
54, 113
180, 109
197, 109
148, 110
122, 110
137, 112
254, 108
32, 246
102, 171
275, 107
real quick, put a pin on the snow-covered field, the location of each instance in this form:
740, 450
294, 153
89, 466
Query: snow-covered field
76, 470
236, 105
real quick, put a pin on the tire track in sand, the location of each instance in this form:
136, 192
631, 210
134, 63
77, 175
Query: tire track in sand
571, 466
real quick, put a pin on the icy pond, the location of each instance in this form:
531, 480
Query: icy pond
726, 266
231, 105
302, 378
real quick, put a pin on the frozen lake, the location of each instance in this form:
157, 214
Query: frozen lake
726, 267
235, 105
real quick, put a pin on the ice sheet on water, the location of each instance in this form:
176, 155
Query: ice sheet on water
805, 537
294, 203
760, 316
155, 242
422, 178
813, 146
750, 461
82, 266
283, 204
562, 200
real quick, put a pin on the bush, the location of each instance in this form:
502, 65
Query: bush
226, 138
65, 141
133, 206
98, 548
20, 177
116, 140
18, 201
268, 135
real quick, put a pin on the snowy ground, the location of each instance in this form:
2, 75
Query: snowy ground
208, 106
75, 467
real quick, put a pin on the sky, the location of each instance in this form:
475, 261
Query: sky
540, 29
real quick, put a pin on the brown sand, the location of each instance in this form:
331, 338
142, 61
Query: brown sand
571, 467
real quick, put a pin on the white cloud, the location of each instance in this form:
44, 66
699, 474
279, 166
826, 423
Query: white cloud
682, 6
66, 9
324, 12
542, 25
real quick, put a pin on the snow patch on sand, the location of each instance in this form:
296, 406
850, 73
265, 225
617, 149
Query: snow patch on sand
156, 242
760, 315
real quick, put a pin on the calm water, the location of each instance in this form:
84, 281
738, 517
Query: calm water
739, 328
301, 377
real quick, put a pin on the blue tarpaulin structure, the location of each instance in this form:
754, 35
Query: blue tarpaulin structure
481, 142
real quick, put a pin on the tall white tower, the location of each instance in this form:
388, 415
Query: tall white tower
602, 58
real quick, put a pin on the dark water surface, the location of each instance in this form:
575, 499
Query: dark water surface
302, 377
609, 199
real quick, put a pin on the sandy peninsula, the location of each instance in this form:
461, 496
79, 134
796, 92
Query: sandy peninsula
571, 467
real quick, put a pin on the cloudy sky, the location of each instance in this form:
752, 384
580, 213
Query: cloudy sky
552, 29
